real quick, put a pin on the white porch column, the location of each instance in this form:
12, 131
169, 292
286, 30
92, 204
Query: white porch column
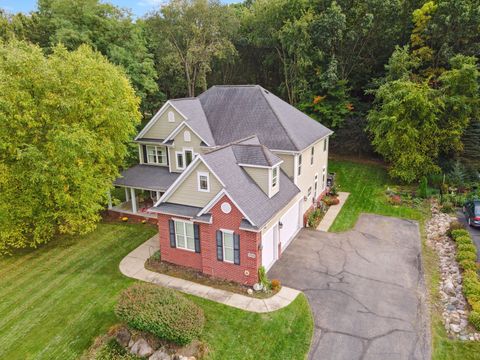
134, 200
109, 196
127, 194
158, 195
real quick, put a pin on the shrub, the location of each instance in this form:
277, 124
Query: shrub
333, 190
275, 284
467, 247
466, 255
423, 188
112, 350
314, 217
468, 265
474, 319
447, 207
460, 232
395, 200
263, 278
455, 225
161, 311
331, 200
471, 284
464, 240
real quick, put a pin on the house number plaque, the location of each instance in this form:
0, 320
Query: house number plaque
251, 255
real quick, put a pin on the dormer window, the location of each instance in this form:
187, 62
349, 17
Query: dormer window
171, 116
203, 182
274, 176
156, 155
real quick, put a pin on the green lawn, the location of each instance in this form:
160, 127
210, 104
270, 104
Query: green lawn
366, 185
56, 299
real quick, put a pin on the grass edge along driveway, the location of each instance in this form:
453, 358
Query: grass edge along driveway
366, 184
58, 298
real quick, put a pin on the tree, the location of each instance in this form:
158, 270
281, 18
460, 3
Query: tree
196, 32
65, 120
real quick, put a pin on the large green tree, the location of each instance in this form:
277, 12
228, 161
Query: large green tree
65, 120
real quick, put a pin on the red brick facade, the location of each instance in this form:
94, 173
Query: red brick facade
206, 261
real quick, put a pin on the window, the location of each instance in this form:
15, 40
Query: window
156, 155
179, 156
171, 116
274, 176
228, 251
312, 153
188, 157
299, 164
324, 173
186, 136
309, 192
325, 143
184, 235
203, 182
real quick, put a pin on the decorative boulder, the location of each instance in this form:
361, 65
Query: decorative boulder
141, 348
123, 336
160, 355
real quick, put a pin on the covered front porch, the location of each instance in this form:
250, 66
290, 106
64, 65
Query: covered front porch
139, 188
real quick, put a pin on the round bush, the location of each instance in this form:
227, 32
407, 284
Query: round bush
474, 319
466, 255
460, 232
464, 240
467, 247
471, 284
160, 311
455, 225
468, 265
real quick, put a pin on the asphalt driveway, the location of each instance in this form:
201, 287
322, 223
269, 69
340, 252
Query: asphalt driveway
365, 287
475, 232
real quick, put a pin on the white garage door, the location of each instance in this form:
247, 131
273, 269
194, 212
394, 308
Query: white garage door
291, 224
268, 248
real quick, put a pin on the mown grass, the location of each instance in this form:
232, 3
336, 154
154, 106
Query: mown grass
56, 299
366, 184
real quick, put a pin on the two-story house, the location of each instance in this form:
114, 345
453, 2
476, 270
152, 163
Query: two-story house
229, 175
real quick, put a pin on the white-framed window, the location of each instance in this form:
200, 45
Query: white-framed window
184, 235
180, 160
312, 155
203, 181
274, 176
324, 177
309, 191
299, 171
325, 144
187, 136
228, 249
171, 116
156, 155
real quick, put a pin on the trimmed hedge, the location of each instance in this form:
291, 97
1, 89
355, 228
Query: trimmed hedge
161, 311
466, 257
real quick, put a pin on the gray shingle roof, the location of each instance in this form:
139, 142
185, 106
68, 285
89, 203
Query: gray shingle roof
192, 109
254, 155
149, 177
243, 189
235, 112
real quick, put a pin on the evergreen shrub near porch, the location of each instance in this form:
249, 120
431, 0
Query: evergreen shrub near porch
163, 312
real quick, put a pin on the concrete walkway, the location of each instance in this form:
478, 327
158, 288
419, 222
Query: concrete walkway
133, 266
332, 212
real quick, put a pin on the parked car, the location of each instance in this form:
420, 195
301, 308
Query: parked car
471, 209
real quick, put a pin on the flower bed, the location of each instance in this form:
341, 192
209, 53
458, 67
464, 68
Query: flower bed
154, 263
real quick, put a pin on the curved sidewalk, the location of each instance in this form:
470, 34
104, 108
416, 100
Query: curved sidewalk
133, 266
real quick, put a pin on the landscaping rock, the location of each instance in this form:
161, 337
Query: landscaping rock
141, 348
455, 314
160, 355
123, 337
257, 287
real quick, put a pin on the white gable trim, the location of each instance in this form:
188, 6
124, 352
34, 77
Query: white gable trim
218, 197
261, 166
155, 118
183, 176
177, 130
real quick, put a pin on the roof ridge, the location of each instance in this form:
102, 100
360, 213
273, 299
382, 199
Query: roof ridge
278, 117
236, 142
184, 98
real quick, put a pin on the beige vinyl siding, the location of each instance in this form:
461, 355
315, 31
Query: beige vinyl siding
179, 144
187, 193
162, 127
276, 218
307, 178
288, 163
260, 176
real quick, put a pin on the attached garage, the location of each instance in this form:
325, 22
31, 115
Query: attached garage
291, 223
269, 247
